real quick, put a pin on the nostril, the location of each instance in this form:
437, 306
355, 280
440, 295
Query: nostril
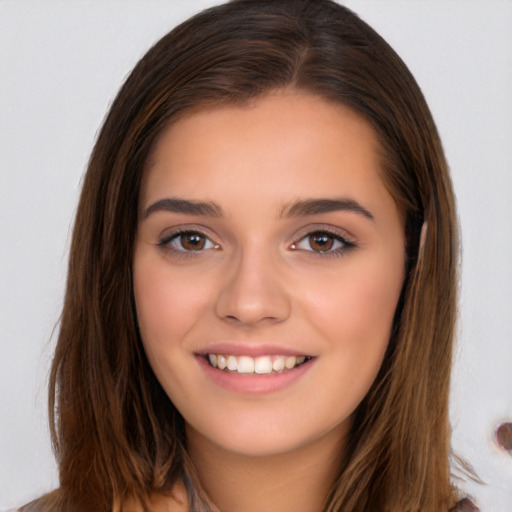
250, 319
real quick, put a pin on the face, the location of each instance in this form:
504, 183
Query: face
268, 263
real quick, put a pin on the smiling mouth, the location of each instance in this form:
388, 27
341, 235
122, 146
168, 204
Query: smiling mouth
261, 365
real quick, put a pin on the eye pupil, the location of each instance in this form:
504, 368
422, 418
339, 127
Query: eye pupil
193, 241
321, 242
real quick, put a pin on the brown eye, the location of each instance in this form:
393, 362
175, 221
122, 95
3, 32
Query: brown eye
188, 241
192, 241
321, 242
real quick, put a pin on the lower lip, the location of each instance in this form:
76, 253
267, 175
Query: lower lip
254, 383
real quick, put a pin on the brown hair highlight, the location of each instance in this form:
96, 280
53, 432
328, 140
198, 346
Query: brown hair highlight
116, 434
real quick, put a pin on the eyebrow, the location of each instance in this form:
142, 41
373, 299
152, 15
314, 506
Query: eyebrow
317, 206
300, 208
185, 206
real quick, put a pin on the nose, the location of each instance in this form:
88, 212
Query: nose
253, 292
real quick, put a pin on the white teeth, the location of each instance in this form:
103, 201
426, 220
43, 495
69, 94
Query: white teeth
278, 364
290, 362
245, 364
221, 362
261, 365
232, 363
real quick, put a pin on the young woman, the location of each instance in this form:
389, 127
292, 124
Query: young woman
262, 281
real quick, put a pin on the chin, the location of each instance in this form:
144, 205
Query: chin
265, 438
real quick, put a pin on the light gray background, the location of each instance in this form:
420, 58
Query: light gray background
61, 63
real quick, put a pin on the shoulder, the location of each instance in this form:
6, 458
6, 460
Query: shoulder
465, 505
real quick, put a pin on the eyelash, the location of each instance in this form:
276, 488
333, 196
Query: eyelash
167, 242
344, 244
341, 244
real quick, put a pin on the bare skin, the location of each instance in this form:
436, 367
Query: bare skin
297, 481
296, 248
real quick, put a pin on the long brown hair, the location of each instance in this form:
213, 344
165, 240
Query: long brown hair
115, 432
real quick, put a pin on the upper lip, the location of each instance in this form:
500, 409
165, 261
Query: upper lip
251, 349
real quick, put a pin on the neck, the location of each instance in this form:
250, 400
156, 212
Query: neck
297, 480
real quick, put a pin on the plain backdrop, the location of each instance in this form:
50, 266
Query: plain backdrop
62, 62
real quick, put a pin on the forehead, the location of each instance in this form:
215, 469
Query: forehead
281, 144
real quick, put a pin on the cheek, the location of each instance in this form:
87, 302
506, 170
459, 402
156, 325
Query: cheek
169, 305
165, 316
357, 313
